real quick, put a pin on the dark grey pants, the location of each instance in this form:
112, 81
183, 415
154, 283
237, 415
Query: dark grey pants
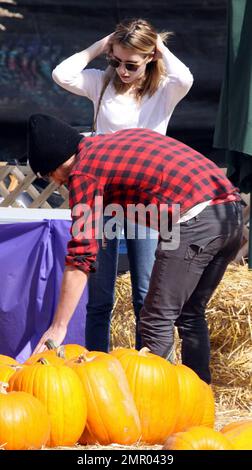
183, 280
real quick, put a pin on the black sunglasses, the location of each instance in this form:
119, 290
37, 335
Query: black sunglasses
115, 63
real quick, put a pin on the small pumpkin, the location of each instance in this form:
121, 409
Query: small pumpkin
198, 438
24, 422
154, 385
61, 391
240, 434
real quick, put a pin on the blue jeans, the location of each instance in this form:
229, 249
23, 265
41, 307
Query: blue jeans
183, 280
101, 285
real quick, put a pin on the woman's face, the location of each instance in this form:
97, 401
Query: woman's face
125, 56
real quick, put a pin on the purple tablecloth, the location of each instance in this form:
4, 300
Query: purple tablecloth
31, 267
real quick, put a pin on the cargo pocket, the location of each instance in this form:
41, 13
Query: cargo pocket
204, 250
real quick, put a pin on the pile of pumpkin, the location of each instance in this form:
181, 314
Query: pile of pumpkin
68, 395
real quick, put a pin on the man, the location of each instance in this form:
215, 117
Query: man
141, 166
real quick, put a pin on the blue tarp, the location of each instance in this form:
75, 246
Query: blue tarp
31, 268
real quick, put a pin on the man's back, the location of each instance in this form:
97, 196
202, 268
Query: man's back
140, 165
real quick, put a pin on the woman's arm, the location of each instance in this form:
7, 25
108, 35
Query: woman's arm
174, 66
69, 73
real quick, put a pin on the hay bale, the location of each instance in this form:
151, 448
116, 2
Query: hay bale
123, 319
229, 315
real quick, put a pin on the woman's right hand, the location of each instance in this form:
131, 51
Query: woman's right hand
106, 43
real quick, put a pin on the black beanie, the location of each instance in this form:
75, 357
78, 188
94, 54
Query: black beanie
50, 143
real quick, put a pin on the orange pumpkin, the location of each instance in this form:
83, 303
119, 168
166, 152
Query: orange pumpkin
154, 386
190, 409
240, 434
7, 360
69, 351
61, 391
208, 417
52, 355
112, 415
198, 438
6, 371
24, 422
57, 355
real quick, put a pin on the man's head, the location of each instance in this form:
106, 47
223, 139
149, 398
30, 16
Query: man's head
51, 142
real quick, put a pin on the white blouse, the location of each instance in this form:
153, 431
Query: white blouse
119, 111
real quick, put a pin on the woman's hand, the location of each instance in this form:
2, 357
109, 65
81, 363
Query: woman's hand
158, 54
106, 44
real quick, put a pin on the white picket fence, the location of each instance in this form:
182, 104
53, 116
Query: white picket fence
17, 182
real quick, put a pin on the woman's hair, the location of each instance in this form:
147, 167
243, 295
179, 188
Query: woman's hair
140, 36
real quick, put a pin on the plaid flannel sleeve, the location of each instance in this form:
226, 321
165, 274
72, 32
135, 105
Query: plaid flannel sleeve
86, 204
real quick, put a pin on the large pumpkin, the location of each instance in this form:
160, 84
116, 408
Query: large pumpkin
240, 434
112, 415
24, 422
61, 391
190, 408
198, 438
154, 386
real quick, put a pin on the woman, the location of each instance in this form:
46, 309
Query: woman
142, 85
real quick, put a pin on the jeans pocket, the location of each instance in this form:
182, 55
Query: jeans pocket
204, 249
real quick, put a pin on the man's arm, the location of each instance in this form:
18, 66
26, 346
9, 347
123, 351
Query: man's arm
73, 284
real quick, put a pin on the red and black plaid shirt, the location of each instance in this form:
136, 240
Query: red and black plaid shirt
135, 166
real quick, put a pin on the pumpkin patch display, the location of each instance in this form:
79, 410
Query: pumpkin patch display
240, 434
24, 422
112, 416
198, 438
154, 385
61, 391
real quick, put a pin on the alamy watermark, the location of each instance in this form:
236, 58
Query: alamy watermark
97, 221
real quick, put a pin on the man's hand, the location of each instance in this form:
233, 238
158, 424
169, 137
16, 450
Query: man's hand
73, 284
57, 335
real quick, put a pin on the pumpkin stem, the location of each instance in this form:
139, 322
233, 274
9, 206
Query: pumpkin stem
61, 352
3, 387
144, 351
50, 344
84, 358
43, 360
16, 367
